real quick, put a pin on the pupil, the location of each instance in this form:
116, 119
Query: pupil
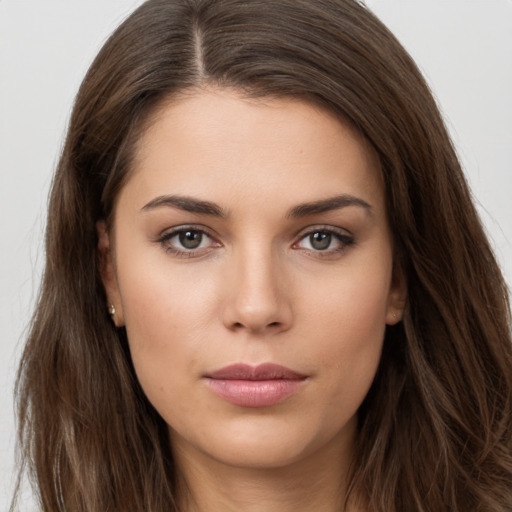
190, 239
320, 241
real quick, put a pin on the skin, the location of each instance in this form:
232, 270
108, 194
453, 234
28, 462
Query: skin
257, 289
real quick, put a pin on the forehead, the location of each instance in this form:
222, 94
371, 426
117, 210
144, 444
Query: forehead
217, 142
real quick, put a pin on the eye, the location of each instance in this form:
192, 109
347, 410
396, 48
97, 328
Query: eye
320, 241
187, 241
190, 239
325, 241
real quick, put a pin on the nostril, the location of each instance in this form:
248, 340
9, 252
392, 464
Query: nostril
240, 325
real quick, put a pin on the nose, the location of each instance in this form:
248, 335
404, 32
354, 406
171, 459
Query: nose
258, 299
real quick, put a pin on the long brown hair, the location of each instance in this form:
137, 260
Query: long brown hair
435, 431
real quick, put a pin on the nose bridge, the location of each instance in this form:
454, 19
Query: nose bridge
258, 299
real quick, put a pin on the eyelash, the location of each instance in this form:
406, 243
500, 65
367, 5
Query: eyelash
165, 241
344, 240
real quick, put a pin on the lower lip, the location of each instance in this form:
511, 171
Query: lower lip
254, 393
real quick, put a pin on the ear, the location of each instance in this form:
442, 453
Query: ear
108, 275
397, 297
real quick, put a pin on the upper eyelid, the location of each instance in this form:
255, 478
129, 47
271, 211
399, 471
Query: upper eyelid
169, 232
208, 231
172, 231
164, 240
345, 240
322, 227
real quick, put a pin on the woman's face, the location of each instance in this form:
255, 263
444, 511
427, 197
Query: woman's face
253, 233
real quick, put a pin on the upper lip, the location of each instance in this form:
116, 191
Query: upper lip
266, 371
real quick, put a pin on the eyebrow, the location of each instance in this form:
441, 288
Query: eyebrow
192, 205
188, 204
326, 205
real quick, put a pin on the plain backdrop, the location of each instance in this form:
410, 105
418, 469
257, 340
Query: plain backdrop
464, 47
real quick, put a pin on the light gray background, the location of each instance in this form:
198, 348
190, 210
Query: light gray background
464, 47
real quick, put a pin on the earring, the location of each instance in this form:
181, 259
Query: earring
112, 310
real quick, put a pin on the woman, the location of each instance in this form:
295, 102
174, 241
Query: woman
204, 341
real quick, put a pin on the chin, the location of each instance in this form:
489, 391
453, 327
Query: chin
266, 442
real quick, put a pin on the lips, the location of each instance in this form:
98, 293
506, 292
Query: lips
267, 371
261, 386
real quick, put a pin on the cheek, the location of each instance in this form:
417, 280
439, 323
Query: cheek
354, 301
348, 321
166, 313
161, 298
